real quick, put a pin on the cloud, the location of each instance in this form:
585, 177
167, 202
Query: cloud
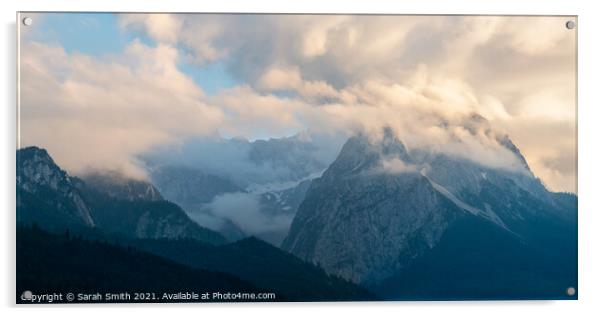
163, 28
244, 210
397, 166
102, 113
251, 164
424, 76
279, 79
536, 36
338, 48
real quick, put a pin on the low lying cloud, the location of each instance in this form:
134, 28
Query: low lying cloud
292, 159
244, 210
397, 166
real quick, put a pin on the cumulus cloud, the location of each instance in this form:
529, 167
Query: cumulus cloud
101, 113
279, 79
160, 27
423, 76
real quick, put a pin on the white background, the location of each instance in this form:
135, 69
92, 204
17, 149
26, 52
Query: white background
589, 123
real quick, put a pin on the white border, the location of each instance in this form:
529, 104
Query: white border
589, 157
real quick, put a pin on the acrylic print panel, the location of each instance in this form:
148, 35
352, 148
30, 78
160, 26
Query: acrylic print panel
253, 157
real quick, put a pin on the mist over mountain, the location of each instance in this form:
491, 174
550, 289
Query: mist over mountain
190, 186
382, 212
498, 187
247, 163
119, 187
404, 222
239, 187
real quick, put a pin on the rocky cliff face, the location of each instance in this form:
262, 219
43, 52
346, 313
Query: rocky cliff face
362, 224
292, 157
379, 208
135, 208
47, 193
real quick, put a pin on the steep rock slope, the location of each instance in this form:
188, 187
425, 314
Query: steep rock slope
380, 211
46, 193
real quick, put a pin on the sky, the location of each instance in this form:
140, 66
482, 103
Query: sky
99, 90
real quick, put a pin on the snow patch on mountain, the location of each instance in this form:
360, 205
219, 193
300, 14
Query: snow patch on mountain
487, 214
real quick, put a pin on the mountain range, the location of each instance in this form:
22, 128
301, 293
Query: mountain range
378, 220
122, 223
268, 176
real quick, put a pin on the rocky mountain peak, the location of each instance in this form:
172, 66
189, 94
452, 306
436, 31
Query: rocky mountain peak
36, 168
37, 174
364, 226
507, 143
364, 152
